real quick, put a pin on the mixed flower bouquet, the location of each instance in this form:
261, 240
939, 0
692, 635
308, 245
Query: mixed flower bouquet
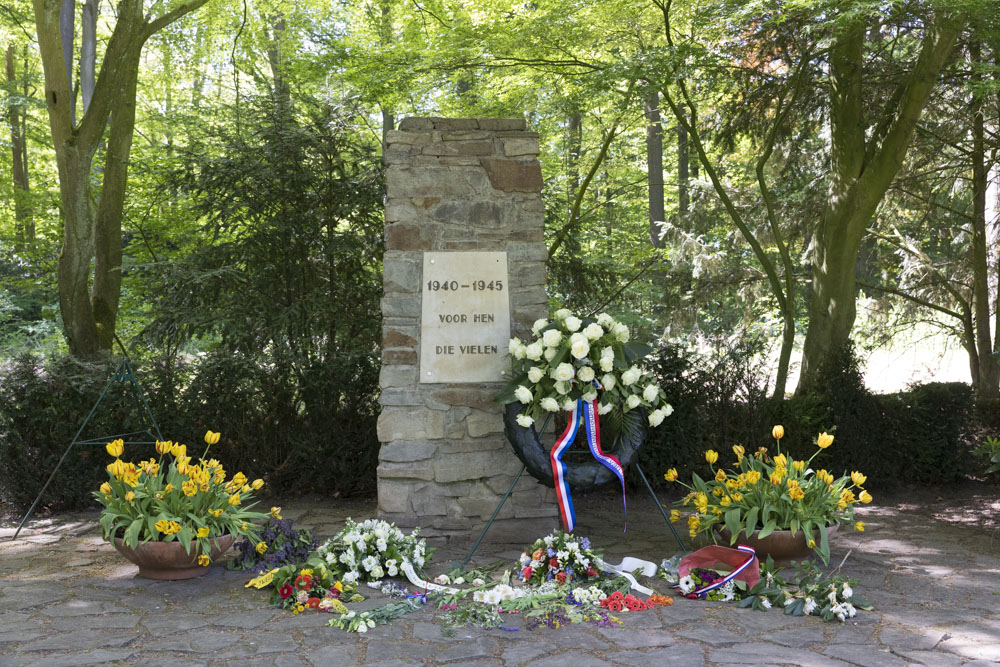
283, 545
572, 358
559, 557
174, 498
809, 593
371, 550
311, 585
773, 493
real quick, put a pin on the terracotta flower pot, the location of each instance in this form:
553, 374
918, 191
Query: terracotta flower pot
780, 545
168, 560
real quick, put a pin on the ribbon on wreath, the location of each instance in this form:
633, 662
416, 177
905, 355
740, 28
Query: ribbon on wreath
587, 414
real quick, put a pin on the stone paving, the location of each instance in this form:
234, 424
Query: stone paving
932, 568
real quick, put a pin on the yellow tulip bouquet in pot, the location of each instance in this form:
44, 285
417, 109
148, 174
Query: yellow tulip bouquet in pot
173, 516
762, 494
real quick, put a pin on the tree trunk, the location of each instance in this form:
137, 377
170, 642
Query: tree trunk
93, 231
88, 51
275, 56
989, 372
67, 33
861, 172
24, 229
388, 123
654, 169
683, 197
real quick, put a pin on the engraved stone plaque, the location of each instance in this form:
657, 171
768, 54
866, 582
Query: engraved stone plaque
465, 317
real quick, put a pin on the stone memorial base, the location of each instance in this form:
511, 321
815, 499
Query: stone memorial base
459, 185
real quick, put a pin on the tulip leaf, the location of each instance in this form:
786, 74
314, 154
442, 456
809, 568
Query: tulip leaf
767, 529
794, 525
132, 533
751, 522
824, 545
733, 524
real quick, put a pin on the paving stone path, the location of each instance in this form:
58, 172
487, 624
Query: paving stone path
932, 568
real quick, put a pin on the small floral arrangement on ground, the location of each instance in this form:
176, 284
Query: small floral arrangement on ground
699, 577
572, 358
354, 621
173, 498
283, 545
772, 493
559, 557
310, 585
371, 550
810, 592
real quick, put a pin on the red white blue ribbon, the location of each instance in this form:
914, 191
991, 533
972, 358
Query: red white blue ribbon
593, 430
699, 593
559, 468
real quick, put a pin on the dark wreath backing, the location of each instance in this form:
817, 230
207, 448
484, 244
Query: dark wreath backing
582, 476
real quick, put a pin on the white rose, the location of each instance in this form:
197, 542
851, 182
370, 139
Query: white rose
516, 348
585, 374
459, 581
667, 409
550, 404
655, 418
590, 396
607, 364
579, 346
650, 393
562, 313
522, 394
620, 331
442, 579
563, 387
631, 376
535, 374
632, 402
563, 372
593, 331
605, 320
568, 405
552, 337
607, 353
604, 408
525, 420
534, 351
608, 381
378, 572
572, 323
539, 325
550, 352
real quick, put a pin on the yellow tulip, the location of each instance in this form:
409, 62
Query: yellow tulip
739, 451
234, 499
725, 501
781, 461
115, 447
812, 544
261, 547
189, 488
796, 493
670, 475
106, 489
168, 488
737, 497
753, 476
204, 560
129, 496
257, 484
860, 526
179, 450
824, 440
246, 488
799, 465
675, 516
276, 512
778, 432
163, 446
216, 513
865, 497
776, 477
701, 502
720, 476
131, 478
203, 532
858, 478
211, 438
711, 456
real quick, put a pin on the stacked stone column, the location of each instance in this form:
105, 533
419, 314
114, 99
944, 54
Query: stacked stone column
456, 184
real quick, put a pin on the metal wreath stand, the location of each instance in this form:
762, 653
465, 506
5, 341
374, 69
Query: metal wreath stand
124, 373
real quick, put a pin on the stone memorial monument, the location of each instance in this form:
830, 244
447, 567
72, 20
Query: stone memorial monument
464, 270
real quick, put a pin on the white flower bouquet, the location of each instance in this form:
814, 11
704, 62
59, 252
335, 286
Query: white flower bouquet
573, 358
372, 550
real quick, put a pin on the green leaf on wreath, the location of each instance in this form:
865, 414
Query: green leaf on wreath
634, 350
506, 394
